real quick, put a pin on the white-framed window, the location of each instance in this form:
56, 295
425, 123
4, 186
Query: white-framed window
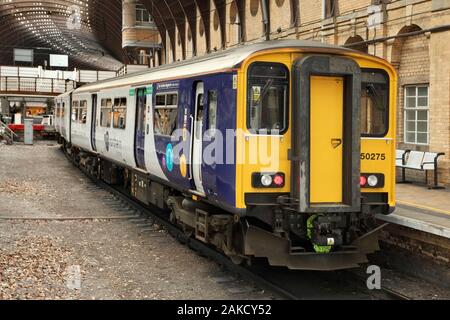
82, 113
75, 110
105, 113
142, 15
417, 128
328, 8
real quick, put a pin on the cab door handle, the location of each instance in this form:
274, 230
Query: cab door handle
336, 143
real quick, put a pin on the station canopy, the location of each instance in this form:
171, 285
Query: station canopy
88, 31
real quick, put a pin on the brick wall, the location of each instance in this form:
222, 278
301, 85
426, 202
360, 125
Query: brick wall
440, 99
310, 11
414, 68
420, 58
346, 6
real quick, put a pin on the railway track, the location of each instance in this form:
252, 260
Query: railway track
280, 282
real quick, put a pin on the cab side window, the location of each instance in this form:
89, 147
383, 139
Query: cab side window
374, 103
268, 98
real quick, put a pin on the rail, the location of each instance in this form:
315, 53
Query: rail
7, 133
35, 85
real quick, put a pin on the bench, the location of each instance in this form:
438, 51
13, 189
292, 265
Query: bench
419, 161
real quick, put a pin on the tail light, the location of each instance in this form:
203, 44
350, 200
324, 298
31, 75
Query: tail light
363, 181
278, 180
372, 180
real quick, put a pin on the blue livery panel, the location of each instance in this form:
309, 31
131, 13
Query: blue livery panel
175, 151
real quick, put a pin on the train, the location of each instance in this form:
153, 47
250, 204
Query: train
281, 150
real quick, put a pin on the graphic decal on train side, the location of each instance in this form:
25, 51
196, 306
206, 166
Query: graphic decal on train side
112, 143
169, 157
107, 141
186, 133
183, 166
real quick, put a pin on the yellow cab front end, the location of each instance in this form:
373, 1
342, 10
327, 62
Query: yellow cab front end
315, 155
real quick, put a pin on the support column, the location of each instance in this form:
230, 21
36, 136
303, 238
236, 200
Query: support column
128, 22
440, 101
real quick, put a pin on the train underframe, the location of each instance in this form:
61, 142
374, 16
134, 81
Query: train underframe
270, 229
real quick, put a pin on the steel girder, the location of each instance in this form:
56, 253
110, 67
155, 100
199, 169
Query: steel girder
94, 42
98, 42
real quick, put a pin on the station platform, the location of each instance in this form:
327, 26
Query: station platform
421, 209
40, 131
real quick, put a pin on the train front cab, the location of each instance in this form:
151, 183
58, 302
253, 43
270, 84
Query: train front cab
310, 203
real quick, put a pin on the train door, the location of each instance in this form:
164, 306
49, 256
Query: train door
326, 135
197, 137
327, 130
64, 121
141, 106
70, 117
94, 122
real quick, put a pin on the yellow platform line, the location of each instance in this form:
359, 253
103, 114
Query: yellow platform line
419, 206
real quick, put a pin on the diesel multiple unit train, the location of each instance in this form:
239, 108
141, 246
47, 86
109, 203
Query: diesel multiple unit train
283, 150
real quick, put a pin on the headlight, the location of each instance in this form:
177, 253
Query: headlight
372, 181
266, 180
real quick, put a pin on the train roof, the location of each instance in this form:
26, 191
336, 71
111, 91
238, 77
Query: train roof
65, 94
222, 60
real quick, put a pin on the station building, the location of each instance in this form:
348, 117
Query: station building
414, 35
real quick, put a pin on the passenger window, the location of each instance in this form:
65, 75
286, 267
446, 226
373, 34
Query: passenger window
161, 100
120, 113
58, 106
268, 98
172, 100
105, 113
165, 115
75, 110
212, 110
200, 111
83, 112
374, 103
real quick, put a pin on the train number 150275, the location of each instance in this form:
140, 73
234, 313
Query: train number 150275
373, 156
